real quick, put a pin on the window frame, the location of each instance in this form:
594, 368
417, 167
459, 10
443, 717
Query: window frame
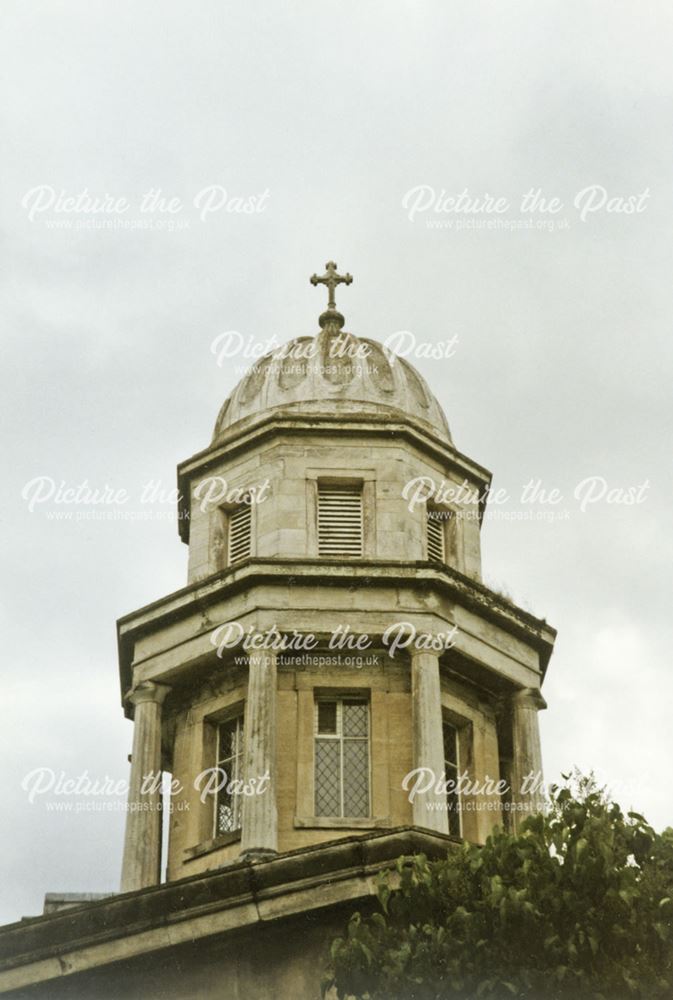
450, 523
454, 796
340, 698
238, 718
366, 479
225, 512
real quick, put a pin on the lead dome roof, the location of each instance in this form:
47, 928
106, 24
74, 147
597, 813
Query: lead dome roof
334, 372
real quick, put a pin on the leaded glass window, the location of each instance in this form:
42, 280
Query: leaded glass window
229, 761
450, 734
342, 757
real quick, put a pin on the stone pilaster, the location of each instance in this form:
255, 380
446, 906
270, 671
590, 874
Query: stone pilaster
259, 818
526, 769
429, 808
142, 842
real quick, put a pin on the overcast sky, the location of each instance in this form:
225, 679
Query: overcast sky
328, 116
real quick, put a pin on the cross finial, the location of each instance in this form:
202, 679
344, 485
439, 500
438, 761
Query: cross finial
331, 279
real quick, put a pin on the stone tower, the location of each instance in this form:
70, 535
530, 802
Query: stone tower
334, 649
333, 688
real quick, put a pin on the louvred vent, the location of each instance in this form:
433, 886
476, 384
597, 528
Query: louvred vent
339, 520
435, 537
240, 524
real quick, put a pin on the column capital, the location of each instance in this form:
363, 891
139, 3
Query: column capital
529, 698
263, 656
147, 691
424, 655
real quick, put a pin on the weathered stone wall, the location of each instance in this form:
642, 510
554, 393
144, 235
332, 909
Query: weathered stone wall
283, 523
254, 930
191, 847
276, 962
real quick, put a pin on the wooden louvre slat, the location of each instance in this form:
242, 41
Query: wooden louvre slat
435, 535
240, 524
340, 520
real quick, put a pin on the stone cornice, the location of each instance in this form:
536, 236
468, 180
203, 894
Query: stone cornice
331, 572
244, 437
228, 899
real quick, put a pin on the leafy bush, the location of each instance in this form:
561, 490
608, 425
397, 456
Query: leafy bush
577, 905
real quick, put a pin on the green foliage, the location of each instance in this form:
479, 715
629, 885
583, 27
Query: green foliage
577, 906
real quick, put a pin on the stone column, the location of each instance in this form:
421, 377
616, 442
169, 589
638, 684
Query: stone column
259, 818
142, 843
428, 740
526, 768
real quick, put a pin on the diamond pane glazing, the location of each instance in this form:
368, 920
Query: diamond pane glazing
355, 718
327, 778
356, 778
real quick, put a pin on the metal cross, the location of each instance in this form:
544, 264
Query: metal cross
331, 279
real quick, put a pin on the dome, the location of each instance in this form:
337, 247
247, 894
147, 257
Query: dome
333, 373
